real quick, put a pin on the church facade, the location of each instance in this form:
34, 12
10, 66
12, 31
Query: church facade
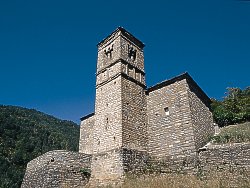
133, 123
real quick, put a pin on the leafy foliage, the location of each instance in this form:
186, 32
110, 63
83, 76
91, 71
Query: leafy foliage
26, 134
235, 108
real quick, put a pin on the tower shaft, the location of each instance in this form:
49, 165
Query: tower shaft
120, 130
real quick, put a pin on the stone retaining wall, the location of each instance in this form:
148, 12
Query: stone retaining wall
58, 169
232, 158
231, 161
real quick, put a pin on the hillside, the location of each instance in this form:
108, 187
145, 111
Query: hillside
26, 134
233, 134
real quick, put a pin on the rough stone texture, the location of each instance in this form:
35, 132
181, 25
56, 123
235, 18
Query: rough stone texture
120, 107
187, 123
117, 46
57, 169
232, 158
107, 130
86, 134
134, 116
107, 168
110, 167
202, 118
231, 161
227, 156
170, 135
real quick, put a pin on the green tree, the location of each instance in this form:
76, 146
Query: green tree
234, 108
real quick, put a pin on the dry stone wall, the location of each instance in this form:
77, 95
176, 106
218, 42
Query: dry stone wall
58, 169
230, 157
229, 160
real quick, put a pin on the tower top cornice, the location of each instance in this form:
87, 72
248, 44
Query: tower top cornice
123, 32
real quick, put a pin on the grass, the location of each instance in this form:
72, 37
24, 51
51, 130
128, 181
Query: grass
215, 180
233, 134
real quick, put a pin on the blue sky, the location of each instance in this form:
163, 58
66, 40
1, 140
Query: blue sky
48, 48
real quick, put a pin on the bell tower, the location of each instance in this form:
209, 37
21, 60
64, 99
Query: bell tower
120, 129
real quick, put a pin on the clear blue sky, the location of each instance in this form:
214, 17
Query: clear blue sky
48, 47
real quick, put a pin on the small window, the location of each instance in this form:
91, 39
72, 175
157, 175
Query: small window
166, 110
131, 52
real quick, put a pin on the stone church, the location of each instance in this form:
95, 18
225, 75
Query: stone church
133, 126
132, 122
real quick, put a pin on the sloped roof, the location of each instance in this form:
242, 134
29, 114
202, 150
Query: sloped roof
192, 84
87, 116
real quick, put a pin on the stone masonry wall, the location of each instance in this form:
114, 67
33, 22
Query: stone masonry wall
202, 120
107, 131
170, 135
114, 165
86, 135
134, 116
108, 73
120, 106
109, 52
232, 159
58, 169
138, 60
107, 167
118, 46
226, 157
